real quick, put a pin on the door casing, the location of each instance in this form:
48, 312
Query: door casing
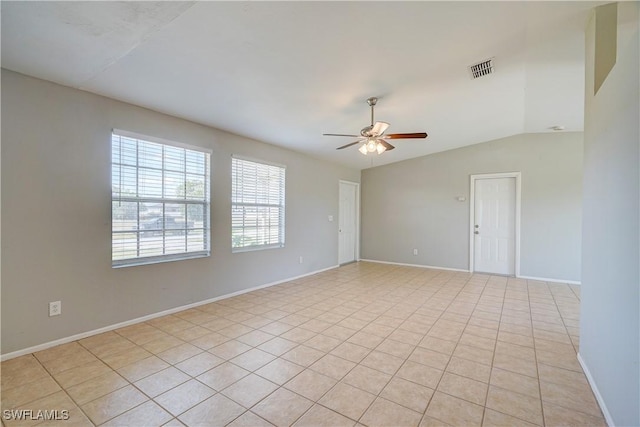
472, 200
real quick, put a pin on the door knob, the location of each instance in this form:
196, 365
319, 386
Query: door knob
476, 232
477, 226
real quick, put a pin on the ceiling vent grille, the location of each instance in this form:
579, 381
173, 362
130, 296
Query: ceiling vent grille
481, 68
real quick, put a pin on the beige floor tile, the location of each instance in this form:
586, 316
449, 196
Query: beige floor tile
333, 366
559, 360
385, 413
162, 344
249, 419
395, 348
428, 421
366, 340
515, 382
382, 362
454, 411
69, 361
408, 394
20, 371
515, 404
143, 368
279, 371
255, 338
430, 358
574, 397
158, 383
209, 340
316, 325
277, 346
113, 404
195, 332
298, 335
347, 400
310, 384
230, 349
351, 352
96, 387
81, 373
149, 413
558, 416
464, 388
178, 354
249, 390
319, 416
497, 419
469, 369
185, 396
476, 341
234, 331
420, 374
516, 364
215, 411
199, 364
303, 355
276, 328
509, 337
323, 343
18, 396
253, 359
282, 408
339, 332
127, 357
57, 352
367, 379
437, 344
222, 376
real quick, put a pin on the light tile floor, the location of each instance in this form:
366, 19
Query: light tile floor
365, 343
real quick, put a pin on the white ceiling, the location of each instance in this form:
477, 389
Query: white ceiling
286, 72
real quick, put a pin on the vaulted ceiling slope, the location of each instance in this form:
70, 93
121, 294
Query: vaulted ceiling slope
286, 72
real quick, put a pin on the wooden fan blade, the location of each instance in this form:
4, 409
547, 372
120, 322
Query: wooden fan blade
348, 145
379, 128
406, 135
339, 134
386, 145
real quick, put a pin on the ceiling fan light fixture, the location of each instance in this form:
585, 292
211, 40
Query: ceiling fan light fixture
363, 149
381, 148
372, 145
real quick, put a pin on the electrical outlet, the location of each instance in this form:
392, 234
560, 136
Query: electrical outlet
300, 260
55, 308
415, 252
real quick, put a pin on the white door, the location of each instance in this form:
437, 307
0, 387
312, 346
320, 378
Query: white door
494, 225
347, 222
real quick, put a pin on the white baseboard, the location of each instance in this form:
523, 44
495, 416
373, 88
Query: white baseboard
546, 279
81, 335
414, 265
596, 392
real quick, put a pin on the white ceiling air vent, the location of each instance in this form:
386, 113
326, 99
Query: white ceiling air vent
481, 68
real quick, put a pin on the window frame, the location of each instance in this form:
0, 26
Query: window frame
163, 201
281, 206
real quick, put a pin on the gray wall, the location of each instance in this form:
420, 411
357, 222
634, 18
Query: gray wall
56, 208
610, 321
412, 204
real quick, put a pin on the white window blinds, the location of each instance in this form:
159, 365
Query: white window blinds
257, 205
159, 200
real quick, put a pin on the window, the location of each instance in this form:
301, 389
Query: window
159, 200
257, 205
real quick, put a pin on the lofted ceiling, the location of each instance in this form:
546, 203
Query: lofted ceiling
287, 72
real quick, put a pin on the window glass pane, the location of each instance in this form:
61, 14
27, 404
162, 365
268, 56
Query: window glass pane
149, 183
174, 158
147, 179
257, 215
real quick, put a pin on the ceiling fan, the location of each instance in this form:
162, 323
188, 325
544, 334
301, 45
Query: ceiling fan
372, 136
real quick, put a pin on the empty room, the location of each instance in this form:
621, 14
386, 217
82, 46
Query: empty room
320, 213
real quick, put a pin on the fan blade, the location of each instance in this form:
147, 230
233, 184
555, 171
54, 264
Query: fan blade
406, 135
339, 134
379, 128
386, 145
348, 145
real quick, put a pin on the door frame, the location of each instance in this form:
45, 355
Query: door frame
472, 201
357, 213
